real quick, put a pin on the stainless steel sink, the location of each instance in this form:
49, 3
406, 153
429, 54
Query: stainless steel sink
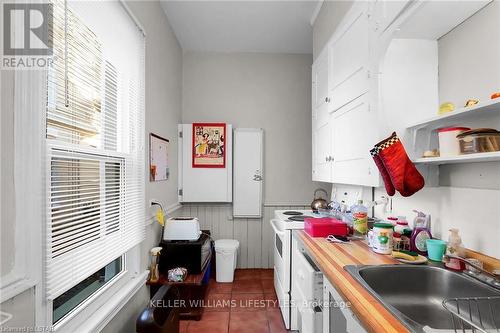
415, 294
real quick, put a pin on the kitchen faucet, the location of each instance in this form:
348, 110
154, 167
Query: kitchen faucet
491, 278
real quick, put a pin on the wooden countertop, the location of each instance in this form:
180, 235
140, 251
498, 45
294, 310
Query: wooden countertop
332, 258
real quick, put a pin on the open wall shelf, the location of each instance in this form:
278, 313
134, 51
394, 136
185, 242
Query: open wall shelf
469, 158
458, 115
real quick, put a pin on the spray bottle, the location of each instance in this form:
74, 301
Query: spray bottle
421, 233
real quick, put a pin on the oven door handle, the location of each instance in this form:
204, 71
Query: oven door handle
280, 234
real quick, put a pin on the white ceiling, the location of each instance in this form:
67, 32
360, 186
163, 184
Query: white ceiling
242, 26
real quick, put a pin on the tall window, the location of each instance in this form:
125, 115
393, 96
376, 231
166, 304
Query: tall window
95, 140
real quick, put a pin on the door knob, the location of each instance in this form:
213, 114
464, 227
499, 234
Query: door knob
257, 178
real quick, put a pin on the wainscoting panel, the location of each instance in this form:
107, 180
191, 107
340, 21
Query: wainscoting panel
255, 235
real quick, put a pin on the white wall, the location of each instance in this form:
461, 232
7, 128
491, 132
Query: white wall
270, 91
22, 305
469, 195
329, 17
474, 71
7, 172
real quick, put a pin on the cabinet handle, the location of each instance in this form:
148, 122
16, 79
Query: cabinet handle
331, 158
326, 158
327, 99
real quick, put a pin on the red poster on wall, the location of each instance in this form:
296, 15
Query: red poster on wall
209, 145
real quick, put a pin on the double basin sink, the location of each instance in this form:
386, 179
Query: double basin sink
415, 294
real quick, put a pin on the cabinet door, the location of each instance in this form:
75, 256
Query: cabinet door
320, 80
321, 131
247, 174
349, 56
322, 148
337, 317
354, 134
204, 184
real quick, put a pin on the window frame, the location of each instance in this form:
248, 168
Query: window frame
111, 297
74, 311
29, 117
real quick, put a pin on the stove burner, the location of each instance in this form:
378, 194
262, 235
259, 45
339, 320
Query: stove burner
299, 218
291, 212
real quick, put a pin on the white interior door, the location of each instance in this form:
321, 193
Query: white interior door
248, 174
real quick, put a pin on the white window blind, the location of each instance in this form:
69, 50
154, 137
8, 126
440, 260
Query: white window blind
95, 137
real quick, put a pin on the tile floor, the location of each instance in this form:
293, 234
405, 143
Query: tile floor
248, 304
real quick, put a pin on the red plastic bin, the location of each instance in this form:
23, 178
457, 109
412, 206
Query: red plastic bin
324, 226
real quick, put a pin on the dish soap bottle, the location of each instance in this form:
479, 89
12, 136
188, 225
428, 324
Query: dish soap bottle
421, 233
455, 248
359, 218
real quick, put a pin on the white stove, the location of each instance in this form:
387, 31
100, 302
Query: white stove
293, 219
284, 222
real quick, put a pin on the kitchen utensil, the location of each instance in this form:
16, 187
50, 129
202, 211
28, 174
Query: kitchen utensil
341, 240
319, 202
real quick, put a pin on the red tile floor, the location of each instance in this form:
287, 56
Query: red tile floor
248, 304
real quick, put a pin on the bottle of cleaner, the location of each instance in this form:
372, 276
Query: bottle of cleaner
455, 248
359, 218
421, 233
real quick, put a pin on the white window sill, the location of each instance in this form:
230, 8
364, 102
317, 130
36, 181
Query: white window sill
15, 284
112, 301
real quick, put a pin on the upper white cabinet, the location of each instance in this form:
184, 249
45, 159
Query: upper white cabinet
348, 52
322, 139
344, 119
320, 81
354, 133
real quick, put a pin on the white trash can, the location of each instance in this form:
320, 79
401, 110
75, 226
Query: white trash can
225, 259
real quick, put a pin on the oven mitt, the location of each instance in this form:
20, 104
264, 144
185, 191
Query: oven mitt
404, 176
389, 188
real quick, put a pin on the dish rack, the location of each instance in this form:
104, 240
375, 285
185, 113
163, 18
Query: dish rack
474, 314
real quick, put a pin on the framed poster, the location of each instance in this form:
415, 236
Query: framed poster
158, 158
208, 145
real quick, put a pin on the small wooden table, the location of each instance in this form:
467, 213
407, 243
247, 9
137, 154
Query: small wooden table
192, 291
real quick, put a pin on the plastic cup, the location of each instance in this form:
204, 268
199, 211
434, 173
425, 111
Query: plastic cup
436, 249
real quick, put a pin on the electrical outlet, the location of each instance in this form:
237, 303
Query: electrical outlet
153, 202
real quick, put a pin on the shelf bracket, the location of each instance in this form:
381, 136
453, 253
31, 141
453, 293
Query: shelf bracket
414, 133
